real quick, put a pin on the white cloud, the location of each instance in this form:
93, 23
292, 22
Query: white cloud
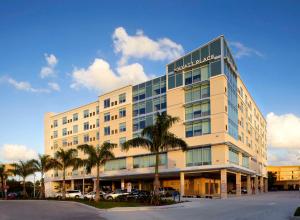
15, 152
240, 50
100, 77
54, 86
284, 156
141, 46
49, 70
283, 131
23, 85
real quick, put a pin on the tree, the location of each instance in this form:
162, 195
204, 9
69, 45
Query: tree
43, 164
23, 169
157, 138
63, 160
271, 180
97, 157
3, 176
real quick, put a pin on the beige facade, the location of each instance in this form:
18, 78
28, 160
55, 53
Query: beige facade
221, 158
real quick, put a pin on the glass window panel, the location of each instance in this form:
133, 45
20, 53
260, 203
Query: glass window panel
215, 68
197, 129
179, 63
188, 78
156, 104
163, 101
187, 59
171, 81
149, 120
178, 79
156, 88
205, 127
189, 113
205, 91
171, 67
215, 48
149, 107
135, 110
196, 55
148, 91
142, 108
189, 130
142, 91
188, 95
163, 86
205, 108
204, 73
196, 75
196, 95
204, 52
197, 111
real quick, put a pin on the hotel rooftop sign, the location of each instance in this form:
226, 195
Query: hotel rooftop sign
196, 62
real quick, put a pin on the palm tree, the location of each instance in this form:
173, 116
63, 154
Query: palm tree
63, 160
97, 157
3, 177
157, 138
23, 169
43, 164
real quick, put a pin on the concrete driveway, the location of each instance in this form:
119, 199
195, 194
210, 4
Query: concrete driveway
46, 210
273, 206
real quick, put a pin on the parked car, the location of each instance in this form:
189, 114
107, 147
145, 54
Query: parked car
12, 195
70, 194
92, 195
166, 191
115, 194
138, 194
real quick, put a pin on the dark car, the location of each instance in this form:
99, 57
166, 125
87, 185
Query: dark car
12, 195
138, 194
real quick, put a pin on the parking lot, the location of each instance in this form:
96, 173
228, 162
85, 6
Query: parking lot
273, 205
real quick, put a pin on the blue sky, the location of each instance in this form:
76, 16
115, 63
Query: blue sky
264, 36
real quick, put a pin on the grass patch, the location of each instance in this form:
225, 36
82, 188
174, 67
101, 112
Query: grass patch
297, 212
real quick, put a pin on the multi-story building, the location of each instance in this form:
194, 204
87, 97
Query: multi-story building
219, 120
287, 177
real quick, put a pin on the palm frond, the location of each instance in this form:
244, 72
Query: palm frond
171, 141
137, 142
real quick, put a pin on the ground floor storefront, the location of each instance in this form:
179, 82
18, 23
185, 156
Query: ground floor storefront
219, 183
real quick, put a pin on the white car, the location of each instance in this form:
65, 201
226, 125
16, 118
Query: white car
70, 194
92, 195
115, 194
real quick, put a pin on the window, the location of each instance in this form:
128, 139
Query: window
196, 75
107, 116
198, 157
86, 113
97, 123
55, 134
135, 110
122, 127
197, 128
204, 73
215, 68
156, 104
156, 86
107, 130
197, 110
163, 102
122, 140
149, 107
64, 132
142, 91
55, 124
106, 103
135, 93
178, 79
97, 110
64, 142
64, 120
197, 93
86, 138
122, 98
75, 129
142, 108
75, 117
215, 48
245, 162
122, 112
86, 126
233, 156
171, 81
75, 140
149, 160
116, 164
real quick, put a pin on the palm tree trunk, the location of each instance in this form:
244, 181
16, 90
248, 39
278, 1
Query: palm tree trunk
24, 189
97, 197
2, 185
42, 194
64, 185
156, 182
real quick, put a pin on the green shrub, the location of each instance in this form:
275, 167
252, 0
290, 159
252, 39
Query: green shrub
297, 212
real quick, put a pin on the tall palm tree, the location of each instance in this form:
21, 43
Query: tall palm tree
3, 176
43, 164
63, 160
23, 169
157, 138
97, 157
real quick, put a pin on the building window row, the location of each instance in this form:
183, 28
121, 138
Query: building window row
197, 110
149, 160
197, 128
233, 156
197, 93
198, 157
115, 164
196, 75
149, 106
148, 89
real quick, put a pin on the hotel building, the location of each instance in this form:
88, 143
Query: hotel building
219, 120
